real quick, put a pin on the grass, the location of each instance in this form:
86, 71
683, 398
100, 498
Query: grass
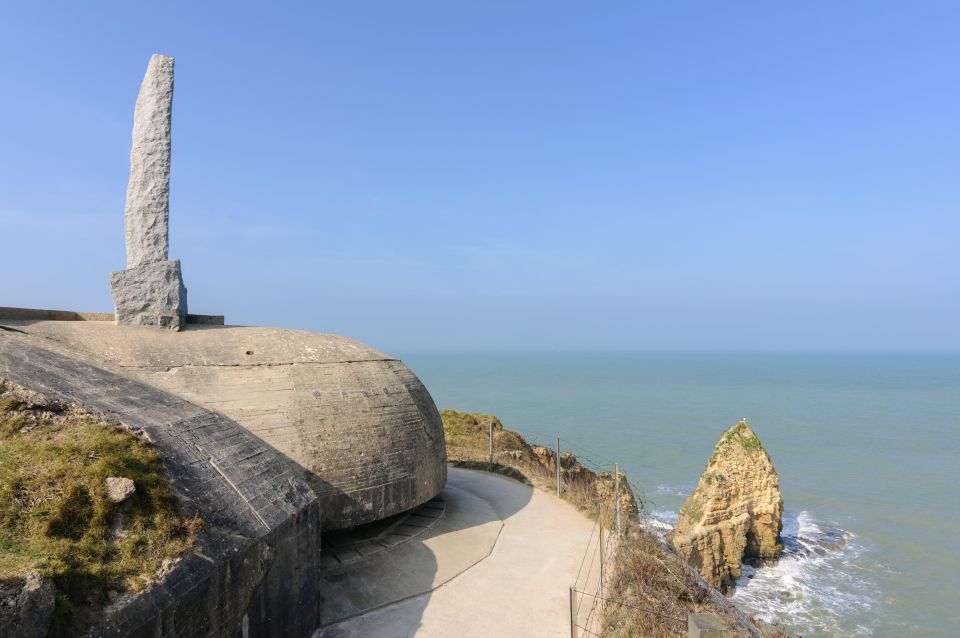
55, 516
470, 424
741, 433
737, 434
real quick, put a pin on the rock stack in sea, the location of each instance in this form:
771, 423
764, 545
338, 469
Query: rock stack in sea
735, 514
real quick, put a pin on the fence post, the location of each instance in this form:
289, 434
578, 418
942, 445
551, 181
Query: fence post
491, 445
573, 613
600, 520
558, 466
616, 493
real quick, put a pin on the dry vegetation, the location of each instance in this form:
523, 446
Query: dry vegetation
467, 437
653, 588
56, 519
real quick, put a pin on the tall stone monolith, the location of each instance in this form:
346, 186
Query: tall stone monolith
147, 212
150, 292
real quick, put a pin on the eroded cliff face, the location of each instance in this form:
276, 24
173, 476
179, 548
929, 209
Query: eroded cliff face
735, 514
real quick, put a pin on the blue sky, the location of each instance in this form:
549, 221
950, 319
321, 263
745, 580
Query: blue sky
506, 175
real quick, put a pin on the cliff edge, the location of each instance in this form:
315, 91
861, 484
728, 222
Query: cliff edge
734, 515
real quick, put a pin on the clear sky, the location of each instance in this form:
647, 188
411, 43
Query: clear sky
506, 175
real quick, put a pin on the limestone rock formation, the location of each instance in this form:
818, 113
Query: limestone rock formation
735, 514
151, 291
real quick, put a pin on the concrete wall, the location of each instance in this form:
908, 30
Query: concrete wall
37, 314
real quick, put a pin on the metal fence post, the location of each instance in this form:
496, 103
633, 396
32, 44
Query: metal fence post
558, 466
491, 445
573, 613
616, 493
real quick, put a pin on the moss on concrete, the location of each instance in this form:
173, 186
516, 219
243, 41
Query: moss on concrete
55, 516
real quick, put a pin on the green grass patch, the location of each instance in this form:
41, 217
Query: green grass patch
456, 423
55, 516
741, 433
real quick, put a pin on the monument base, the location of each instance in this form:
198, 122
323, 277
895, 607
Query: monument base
150, 295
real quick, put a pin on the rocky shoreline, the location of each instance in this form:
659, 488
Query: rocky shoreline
649, 574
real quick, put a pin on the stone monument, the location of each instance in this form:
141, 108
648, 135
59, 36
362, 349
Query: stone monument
150, 292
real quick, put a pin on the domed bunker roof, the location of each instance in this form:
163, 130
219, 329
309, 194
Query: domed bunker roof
359, 421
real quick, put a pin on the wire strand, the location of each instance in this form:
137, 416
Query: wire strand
620, 602
585, 552
590, 632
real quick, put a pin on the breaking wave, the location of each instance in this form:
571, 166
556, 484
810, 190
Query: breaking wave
816, 588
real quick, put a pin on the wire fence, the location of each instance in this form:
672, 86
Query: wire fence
602, 493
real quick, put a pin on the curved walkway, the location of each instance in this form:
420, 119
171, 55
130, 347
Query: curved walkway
519, 587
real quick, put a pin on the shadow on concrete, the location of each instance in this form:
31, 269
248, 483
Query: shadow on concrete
398, 582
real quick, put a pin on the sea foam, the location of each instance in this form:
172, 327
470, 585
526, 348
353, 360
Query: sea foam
815, 588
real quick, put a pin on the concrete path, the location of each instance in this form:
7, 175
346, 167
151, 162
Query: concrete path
518, 588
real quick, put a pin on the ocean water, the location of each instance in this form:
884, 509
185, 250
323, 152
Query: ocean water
867, 447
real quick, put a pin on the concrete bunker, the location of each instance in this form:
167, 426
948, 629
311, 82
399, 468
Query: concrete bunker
361, 425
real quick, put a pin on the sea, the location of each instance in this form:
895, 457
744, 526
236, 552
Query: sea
867, 447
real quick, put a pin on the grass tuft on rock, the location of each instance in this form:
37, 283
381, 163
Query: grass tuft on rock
741, 433
55, 516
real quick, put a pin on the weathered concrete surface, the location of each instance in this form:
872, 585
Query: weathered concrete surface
357, 419
147, 212
40, 314
520, 589
26, 606
360, 543
150, 294
255, 572
465, 535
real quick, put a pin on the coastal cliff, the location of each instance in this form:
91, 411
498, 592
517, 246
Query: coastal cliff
734, 515
656, 589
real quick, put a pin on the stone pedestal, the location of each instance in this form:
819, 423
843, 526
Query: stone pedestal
150, 295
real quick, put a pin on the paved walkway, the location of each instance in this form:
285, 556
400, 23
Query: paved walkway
501, 565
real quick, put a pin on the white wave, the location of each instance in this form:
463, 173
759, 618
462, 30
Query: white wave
675, 489
660, 522
668, 518
812, 589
